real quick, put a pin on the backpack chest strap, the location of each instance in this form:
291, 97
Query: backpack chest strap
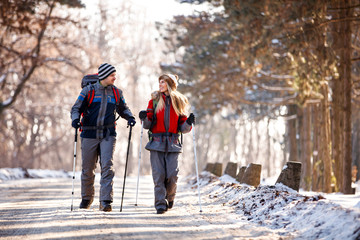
98, 127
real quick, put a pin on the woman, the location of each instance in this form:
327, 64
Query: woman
165, 118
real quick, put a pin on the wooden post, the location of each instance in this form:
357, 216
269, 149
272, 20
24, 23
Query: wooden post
291, 175
252, 175
209, 167
217, 169
240, 174
231, 169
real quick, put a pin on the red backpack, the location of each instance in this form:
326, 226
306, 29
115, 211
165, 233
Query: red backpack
91, 79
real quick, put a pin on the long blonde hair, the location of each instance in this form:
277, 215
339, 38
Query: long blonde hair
179, 101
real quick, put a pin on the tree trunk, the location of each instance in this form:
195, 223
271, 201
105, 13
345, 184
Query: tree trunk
337, 106
301, 134
342, 89
355, 144
244, 141
325, 140
268, 149
345, 65
305, 146
234, 142
250, 153
315, 163
258, 139
306, 149
292, 134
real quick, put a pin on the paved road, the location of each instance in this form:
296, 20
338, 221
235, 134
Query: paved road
40, 209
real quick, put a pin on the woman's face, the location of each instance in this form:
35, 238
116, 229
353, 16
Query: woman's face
163, 86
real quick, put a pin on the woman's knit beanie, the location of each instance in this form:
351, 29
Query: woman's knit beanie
171, 79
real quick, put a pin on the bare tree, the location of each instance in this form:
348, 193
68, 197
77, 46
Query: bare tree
22, 39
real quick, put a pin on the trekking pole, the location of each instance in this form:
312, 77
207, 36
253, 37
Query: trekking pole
137, 184
196, 166
73, 178
126, 163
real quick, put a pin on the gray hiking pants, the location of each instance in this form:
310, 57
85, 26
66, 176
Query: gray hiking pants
165, 171
89, 149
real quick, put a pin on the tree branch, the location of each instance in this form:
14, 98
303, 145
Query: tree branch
34, 63
344, 8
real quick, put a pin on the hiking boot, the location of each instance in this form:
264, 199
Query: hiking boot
160, 211
86, 203
170, 205
105, 206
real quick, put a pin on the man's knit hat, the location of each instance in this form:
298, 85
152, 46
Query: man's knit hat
105, 70
171, 79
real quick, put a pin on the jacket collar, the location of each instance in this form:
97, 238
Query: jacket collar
101, 86
164, 96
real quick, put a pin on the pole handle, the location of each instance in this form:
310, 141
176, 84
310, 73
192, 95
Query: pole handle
76, 134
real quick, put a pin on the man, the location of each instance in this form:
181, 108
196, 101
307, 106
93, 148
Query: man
98, 103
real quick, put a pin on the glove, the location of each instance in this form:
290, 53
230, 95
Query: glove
191, 119
75, 123
131, 122
142, 114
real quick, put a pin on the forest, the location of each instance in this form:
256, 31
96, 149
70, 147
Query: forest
268, 81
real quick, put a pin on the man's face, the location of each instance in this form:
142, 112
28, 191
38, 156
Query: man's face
110, 80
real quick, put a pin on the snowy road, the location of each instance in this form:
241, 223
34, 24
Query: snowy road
40, 209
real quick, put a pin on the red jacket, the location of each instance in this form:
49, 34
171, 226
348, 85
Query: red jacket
159, 126
166, 122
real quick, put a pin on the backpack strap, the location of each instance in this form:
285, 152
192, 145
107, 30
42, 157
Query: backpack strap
117, 98
89, 98
179, 131
153, 120
116, 94
90, 95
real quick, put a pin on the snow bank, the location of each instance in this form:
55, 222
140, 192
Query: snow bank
282, 208
20, 173
11, 173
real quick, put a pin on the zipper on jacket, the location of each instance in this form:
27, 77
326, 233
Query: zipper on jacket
167, 120
102, 110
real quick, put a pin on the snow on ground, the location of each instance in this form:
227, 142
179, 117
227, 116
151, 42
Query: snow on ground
311, 216
304, 215
20, 173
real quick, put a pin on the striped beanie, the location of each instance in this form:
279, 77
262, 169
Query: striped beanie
105, 70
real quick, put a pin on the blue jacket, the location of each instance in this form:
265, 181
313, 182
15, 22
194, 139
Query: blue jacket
99, 118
